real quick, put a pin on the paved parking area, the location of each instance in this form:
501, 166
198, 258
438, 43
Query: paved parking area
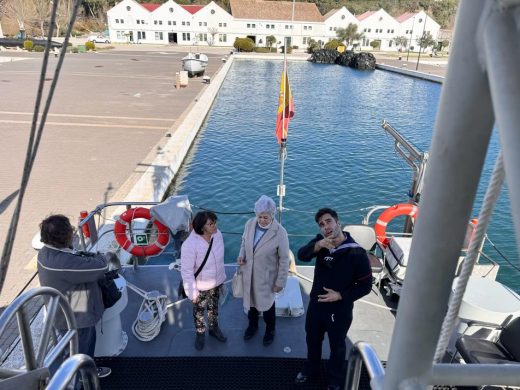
110, 111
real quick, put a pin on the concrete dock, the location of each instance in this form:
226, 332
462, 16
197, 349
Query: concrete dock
110, 113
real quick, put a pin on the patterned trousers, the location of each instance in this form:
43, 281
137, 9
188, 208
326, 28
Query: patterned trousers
206, 299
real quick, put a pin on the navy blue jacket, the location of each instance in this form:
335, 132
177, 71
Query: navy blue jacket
345, 269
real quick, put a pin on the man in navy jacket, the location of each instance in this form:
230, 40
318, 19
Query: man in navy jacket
342, 275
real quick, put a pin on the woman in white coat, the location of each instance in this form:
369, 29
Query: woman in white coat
264, 259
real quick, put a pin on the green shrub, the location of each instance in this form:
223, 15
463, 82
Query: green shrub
289, 49
332, 44
313, 45
263, 50
38, 48
244, 44
375, 44
28, 45
89, 45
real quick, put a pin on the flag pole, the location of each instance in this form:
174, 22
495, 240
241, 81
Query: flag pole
283, 148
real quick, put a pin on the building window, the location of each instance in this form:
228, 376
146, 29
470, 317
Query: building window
304, 40
138, 22
365, 30
169, 22
122, 21
253, 25
128, 8
155, 22
272, 26
222, 37
390, 43
186, 37
158, 36
342, 16
200, 23
335, 28
120, 35
369, 30
305, 27
392, 31
171, 9
187, 23
267, 26
212, 12
287, 27
142, 21
117, 20
184, 23
310, 27
160, 22
420, 20
388, 31
203, 37
330, 29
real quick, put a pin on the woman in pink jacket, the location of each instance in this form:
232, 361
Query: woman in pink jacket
203, 291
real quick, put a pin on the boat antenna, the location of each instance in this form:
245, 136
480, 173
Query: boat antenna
280, 192
36, 130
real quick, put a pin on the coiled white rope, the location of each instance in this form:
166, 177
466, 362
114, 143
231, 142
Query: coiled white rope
492, 193
151, 315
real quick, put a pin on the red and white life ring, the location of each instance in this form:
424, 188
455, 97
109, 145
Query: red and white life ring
124, 241
389, 214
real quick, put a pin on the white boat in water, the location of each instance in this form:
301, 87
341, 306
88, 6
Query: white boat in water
195, 64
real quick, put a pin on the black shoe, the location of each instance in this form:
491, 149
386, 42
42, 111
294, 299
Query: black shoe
268, 337
250, 332
103, 372
217, 333
199, 341
301, 378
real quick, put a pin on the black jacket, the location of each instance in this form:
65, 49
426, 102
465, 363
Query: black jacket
345, 269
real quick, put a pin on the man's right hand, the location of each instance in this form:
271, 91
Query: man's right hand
323, 243
241, 260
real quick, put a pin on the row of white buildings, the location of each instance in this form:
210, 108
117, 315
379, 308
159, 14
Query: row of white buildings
171, 23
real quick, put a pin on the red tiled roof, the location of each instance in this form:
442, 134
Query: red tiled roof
330, 13
365, 15
275, 10
151, 7
405, 16
192, 9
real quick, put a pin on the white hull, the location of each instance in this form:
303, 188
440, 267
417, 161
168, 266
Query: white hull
195, 64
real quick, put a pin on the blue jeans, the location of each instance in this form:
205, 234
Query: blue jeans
86, 345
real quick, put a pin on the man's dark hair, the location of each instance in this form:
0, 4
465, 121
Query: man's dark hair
200, 220
56, 231
323, 211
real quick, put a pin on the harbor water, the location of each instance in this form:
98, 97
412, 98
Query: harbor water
338, 154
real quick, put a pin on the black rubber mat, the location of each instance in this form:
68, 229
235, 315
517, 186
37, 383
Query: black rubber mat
209, 373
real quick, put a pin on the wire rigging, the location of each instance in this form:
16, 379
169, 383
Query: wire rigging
36, 132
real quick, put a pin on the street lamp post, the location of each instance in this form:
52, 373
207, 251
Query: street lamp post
411, 36
419, 56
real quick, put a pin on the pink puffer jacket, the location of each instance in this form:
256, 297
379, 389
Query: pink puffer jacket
193, 251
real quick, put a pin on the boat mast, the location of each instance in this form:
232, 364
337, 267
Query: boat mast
280, 191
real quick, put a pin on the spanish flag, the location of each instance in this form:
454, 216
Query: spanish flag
285, 108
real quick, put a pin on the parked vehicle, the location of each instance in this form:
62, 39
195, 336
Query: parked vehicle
98, 39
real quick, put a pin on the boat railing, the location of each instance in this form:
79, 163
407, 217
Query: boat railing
360, 353
68, 370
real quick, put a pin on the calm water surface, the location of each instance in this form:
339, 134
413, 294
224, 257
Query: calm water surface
338, 154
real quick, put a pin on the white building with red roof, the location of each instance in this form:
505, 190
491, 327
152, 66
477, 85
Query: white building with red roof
378, 26
172, 23
337, 18
414, 24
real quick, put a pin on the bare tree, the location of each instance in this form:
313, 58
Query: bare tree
41, 11
20, 10
213, 31
63, 14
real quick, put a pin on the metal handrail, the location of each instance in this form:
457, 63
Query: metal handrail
70, 368
364, 352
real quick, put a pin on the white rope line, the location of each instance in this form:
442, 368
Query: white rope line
492, 193
151, 315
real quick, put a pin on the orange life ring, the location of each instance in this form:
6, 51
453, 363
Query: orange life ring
140, 250
389, 214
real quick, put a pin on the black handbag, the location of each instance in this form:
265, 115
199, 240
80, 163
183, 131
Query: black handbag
109, 291
180, 290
